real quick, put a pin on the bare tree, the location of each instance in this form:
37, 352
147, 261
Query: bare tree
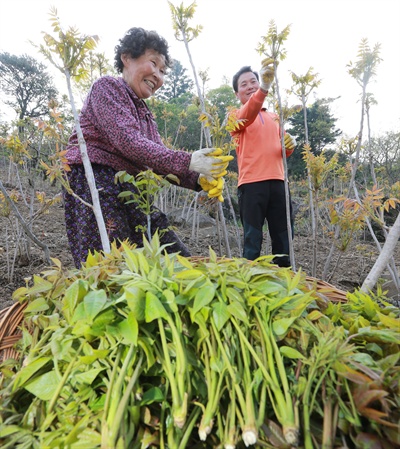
68, 54
383, 258
185, 33
303, 86
272, 47
362, 70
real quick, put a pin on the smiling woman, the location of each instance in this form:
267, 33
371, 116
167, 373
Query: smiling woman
142, 60
145, 74
121, 135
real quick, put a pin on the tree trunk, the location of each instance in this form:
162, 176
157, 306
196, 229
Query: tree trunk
384, 257
313, 214
105, 242
285, 169
207, 134
24, 225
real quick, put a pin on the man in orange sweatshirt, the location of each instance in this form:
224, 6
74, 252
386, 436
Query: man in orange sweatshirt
261, 183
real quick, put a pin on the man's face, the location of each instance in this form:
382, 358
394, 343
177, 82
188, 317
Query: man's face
247, 85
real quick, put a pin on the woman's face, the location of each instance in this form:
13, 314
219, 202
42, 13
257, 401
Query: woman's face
144, 74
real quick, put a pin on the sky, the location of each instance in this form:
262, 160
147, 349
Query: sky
324, 34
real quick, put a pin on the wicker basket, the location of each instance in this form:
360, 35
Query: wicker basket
11, 317
10, 321
327, 291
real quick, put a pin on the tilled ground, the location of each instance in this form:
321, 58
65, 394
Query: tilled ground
351, 270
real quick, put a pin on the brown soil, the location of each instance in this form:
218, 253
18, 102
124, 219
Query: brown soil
352, 268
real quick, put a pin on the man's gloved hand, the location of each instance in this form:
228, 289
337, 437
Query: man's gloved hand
206, 162
212, 186
207, 183
267, 73
289, 141
216, 192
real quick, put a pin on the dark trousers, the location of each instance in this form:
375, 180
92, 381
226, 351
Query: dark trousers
260, 201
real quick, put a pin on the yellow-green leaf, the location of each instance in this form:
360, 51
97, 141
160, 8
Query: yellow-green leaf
89, 376
29, 370
44, 386
237, 310
391, 322
154, 308
282, 325
203, 297
94, 302
291, 353
220, 314
190, 274
38, 305
129, 329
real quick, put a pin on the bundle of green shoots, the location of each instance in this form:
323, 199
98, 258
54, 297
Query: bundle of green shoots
142, 349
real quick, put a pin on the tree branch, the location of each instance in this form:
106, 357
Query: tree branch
24, 225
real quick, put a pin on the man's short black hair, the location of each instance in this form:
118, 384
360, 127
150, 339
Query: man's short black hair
236, 76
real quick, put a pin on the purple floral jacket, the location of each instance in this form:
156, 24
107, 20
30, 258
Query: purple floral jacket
120, 132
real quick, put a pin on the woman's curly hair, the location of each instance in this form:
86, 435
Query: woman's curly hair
135, 43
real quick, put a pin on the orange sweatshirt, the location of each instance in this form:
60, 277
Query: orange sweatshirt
259, 150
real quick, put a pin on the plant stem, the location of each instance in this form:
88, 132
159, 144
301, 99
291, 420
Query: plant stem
117, 420
64, 379
178, 386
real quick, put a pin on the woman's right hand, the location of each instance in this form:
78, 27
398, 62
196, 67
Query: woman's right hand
206, 164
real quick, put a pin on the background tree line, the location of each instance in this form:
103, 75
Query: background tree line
29, 91
28, 88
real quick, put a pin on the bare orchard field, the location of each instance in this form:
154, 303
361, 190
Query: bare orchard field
50, 229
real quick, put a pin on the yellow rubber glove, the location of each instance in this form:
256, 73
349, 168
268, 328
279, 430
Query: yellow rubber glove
217, 190
267, 73
219, 173
216, 152
289, 141
219, 170
207, 183
213, 187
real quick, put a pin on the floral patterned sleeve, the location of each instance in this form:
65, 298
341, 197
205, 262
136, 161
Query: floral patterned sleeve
129, 129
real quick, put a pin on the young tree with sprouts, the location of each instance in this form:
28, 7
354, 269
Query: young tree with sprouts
271, 46
181, 16
67, 51
303, 86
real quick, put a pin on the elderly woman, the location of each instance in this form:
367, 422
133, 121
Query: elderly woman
121, 134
